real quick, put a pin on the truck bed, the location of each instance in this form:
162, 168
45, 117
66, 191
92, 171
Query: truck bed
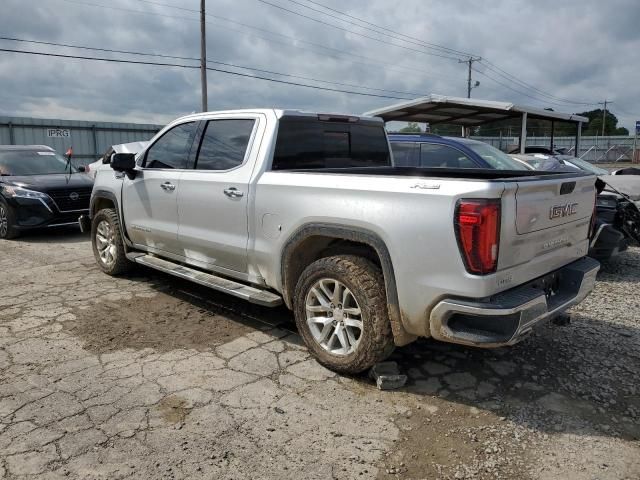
467, 174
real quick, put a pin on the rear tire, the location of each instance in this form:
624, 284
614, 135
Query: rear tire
107, 243
348, 331
7, 221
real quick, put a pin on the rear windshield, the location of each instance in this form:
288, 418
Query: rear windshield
314, 144
33, 162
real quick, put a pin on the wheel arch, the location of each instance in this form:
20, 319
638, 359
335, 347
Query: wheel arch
313, 241
106, 199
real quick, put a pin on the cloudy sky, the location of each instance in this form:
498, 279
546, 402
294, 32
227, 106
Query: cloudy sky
543, 53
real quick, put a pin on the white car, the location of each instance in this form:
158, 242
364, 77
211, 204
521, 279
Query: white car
133, 147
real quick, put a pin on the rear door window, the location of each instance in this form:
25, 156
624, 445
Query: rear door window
433, 155
224, 144
404, 154
171, 151
314, 144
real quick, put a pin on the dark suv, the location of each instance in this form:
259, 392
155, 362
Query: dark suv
39, 189
433, 151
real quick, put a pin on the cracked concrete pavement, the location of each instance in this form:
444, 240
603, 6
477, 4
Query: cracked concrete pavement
146, 376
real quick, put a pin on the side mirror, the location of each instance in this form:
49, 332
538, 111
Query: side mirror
82, 168
123, 162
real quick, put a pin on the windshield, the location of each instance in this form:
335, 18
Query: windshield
548, 164
33, 162
495, 158
583, 164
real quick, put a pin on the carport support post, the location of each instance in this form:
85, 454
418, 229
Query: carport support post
523, 133
578, 139
12, 140
553, 131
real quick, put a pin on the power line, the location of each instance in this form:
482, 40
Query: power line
271, 72
499, 71
97, 49
370, 61
219, 70
488, 64
484, 74
378, 28
337, 27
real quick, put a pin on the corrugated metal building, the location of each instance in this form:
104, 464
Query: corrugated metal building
90, 140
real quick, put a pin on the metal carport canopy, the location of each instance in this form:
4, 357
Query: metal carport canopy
466, 112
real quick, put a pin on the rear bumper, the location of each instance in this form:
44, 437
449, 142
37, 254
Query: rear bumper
509, 317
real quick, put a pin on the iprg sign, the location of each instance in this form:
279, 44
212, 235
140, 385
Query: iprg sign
58, 133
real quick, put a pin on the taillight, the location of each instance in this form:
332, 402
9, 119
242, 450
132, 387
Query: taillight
477, 224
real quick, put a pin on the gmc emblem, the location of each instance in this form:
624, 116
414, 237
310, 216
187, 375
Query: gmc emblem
558, 211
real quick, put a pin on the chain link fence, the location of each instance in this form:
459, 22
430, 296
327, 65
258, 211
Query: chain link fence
592, 149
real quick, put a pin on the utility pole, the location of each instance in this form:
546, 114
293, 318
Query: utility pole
470, 63
203, 56
604, 114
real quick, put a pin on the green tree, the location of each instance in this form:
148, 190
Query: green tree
412, 127
594, 127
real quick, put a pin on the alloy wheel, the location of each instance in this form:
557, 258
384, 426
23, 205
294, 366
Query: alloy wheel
334, 316
105, 243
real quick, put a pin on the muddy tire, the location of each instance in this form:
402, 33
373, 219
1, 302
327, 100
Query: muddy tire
7, 221
107, 243
340, 307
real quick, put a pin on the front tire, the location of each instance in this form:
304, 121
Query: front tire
108, 246
7, 221
340, 307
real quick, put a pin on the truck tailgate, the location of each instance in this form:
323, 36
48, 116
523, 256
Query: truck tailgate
545, 223
546, 204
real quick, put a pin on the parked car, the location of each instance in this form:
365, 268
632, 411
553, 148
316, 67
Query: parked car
627, 171
617, 214
132, 147
531, 149
434, 151
308, 209
39, 188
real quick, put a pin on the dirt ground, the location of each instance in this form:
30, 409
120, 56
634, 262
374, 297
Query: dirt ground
147, 376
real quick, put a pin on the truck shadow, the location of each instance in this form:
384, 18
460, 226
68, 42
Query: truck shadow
67, 235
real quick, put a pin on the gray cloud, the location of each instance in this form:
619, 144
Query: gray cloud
584, 50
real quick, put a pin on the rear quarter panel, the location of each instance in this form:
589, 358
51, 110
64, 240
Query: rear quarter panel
412, 216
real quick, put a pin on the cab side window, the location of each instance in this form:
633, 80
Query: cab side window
171, 151
442, 156
224, 144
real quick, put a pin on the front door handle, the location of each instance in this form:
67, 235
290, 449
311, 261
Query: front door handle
168, 187
233, 192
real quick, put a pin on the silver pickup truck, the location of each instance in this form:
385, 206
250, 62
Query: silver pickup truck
308, 209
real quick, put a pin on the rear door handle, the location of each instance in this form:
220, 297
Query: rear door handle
168, 187
233, 192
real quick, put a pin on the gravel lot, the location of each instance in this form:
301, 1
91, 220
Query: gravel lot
149, 377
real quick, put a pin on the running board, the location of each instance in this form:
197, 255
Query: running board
240, 290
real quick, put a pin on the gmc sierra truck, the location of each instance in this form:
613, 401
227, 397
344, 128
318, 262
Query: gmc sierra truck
279, 206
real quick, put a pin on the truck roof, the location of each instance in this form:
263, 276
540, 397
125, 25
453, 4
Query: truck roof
431, 138
282, 113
